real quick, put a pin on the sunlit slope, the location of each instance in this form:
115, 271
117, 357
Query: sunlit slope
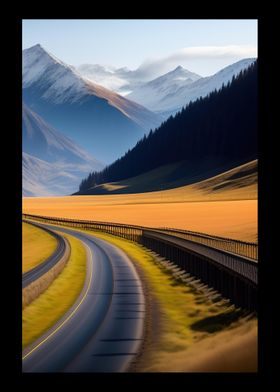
37, 246
236, 184
239, 183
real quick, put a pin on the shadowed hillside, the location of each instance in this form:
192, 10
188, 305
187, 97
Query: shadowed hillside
179, 178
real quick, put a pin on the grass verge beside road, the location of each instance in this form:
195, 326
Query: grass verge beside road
185, 331
51, 305
187, 325
37, 246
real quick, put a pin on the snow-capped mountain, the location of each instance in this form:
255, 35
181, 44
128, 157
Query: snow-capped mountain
121, 80
58, 81
167, 94
52, 163
104, 122
166, 85
108, 77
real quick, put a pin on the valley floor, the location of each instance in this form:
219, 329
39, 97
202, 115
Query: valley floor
224, 205
234, 219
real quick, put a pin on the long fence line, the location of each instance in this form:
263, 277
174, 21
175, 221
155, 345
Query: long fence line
242, 248
235, 276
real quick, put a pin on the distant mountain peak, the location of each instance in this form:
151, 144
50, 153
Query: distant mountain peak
168, 84
58, 80
170, 92
177, 75
38, 50
179, 68
35, 47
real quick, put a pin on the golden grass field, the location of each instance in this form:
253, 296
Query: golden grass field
37, 246
190, 333
234, 219
224, 205
52, 304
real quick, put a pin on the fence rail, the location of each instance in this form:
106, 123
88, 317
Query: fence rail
244, 267
242, 248
218, 262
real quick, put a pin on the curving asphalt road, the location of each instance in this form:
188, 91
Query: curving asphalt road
103, 330
36, 272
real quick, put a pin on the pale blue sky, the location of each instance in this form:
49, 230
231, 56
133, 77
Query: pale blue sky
131, 42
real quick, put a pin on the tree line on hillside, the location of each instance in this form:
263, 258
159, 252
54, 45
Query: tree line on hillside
222, 125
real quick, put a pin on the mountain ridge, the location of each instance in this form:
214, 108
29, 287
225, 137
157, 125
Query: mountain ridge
174, 96
81, 109
219, 129
52, 163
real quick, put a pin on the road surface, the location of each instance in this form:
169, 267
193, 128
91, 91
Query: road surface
103, 330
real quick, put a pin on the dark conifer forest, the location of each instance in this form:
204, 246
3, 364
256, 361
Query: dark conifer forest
221, 126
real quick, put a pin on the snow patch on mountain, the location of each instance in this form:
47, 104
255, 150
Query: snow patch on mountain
168, 84
170, 92
121, 80
59, 81
102, 75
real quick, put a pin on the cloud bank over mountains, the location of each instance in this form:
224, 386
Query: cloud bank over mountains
151, 68
124, 80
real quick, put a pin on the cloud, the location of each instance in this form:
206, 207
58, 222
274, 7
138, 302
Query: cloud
152, 67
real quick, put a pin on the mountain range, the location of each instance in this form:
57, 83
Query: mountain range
170, 92
99, 119
159, 89
78, 119
216, 133
167, 93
